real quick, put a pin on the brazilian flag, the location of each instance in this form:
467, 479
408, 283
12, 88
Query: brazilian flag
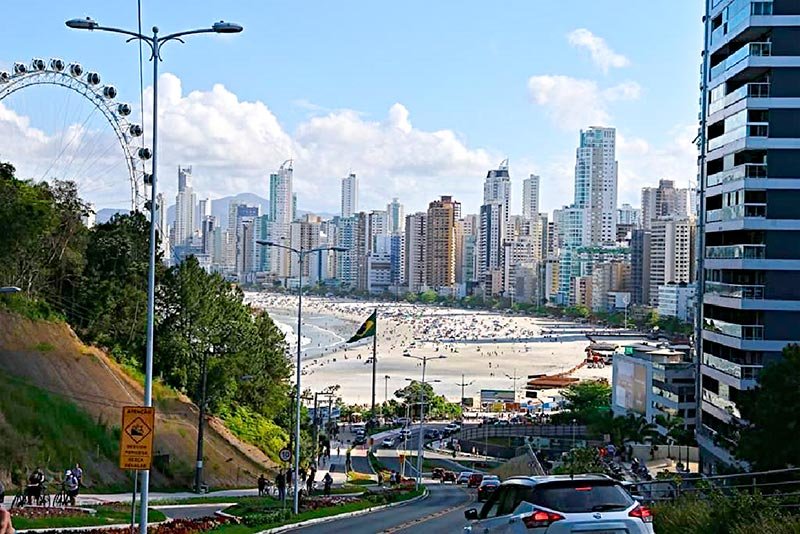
367, 329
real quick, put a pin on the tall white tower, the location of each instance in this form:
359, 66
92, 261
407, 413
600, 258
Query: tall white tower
530, 197
281, 212
349, 195
596, 185
185, 202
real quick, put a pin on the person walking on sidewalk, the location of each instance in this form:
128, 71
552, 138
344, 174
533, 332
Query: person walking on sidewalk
280, 483
327, 481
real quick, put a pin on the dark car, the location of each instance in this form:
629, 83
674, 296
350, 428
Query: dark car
475, 480
487, 487
437, 473
360, 440
448, 476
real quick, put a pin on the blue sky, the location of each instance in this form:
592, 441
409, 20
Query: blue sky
495, 79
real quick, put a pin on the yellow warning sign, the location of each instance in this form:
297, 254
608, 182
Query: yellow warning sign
136, 441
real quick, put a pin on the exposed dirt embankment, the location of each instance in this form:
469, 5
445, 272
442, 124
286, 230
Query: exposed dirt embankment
51, 357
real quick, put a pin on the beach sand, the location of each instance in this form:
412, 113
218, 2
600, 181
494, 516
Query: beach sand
486, 347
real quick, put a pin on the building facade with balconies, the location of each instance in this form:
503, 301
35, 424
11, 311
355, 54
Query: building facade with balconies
750, 162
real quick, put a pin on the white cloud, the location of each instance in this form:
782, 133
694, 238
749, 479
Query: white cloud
602, 55
573, 103
233, 145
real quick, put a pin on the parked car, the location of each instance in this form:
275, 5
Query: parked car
463, 477
501, 422
448, 476
560, 504
487, 487
474, 480
437, 473
389, 442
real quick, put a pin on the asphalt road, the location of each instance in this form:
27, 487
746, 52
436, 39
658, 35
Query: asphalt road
444, 506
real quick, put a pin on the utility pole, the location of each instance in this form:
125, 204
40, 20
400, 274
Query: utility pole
386, 388
514, 378
463, 384
198, 474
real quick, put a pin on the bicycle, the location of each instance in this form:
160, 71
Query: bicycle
61, 498
19, 499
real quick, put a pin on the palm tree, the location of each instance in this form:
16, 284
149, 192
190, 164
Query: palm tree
638, 429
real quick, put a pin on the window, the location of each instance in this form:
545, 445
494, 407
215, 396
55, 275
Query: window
576, 496
504, 500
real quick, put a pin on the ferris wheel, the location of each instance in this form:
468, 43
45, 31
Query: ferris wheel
69, 138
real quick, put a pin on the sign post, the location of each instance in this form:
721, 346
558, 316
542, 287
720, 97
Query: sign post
136, 439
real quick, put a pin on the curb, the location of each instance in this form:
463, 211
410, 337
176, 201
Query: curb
319, 520
198, 505
95, 527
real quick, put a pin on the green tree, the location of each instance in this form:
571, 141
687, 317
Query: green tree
428, 297
586, 399
768, 437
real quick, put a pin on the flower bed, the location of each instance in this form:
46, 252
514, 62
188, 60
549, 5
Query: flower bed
176, 526
40, 512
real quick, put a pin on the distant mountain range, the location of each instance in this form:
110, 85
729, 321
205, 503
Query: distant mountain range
104, 215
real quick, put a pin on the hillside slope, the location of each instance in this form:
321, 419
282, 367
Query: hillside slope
52, 358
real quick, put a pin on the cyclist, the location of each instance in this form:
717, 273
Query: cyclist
35, 485
71, 485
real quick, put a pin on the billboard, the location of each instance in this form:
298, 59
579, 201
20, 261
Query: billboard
630, 386
491, 396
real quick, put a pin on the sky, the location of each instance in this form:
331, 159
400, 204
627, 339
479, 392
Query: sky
418, 98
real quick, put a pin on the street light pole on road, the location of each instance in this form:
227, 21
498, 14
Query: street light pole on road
155, 42
463, 384
301, 257
424, 360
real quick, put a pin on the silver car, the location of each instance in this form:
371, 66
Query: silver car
560, 504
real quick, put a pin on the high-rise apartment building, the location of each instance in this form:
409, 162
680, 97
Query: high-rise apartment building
596, 185
203, 211
530, 197
378, 222
497, 188
416, 251
305, 235
663, 201
441, 242
671, 253
281, 213
750, 193
491, 247
640, 267
185, 202
397, 220
349, 195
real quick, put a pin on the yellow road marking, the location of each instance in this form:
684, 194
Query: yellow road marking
429, 517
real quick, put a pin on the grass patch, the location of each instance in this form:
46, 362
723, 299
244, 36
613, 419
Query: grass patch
44, 347
276, 511
44, 429
36, 310
254, 428
106, 515
361, 482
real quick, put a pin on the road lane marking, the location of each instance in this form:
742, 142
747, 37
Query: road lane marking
429, 517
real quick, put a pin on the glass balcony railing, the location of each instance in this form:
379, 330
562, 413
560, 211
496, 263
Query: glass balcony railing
748, 170
735, 291
749, 50
732, 213
741, 372
749, 90
751, 129
739, 331
736, 252
721, 403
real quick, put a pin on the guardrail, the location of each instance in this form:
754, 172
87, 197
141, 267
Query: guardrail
549, 431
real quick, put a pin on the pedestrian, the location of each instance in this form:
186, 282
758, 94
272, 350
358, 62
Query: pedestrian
310, 480
338, 451
327, 481
280, 483
380, 477
289, 478
71, 487
262, 485
78, 472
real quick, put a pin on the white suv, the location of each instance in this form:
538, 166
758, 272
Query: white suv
561, 504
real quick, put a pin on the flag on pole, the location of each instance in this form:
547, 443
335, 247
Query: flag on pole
366, 330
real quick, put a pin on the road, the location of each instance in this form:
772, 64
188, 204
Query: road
444, 508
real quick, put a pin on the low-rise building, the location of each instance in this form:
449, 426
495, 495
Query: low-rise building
676, 300
653, 379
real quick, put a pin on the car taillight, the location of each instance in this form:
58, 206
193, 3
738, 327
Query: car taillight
540, 518
642, 512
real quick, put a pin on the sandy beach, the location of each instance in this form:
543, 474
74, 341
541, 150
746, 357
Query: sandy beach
486, 347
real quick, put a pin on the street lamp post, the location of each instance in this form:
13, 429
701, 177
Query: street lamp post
514, 377
301, 257
386, 388
155, 42
463, 384
424, 360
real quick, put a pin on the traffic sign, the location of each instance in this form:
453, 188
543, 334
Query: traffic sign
285, 455
136, 439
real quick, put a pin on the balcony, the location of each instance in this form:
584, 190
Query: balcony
749, 90
751, 129
734, 213
739, 331
742, 372
735, 291
736, 252
747, 170
759, 49
723, 404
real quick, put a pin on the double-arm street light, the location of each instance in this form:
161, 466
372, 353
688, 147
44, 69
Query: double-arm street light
155, 42
301, 257
463, 384
424, 360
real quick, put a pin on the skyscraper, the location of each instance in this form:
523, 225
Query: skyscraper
530, 197
185, 202
749, 197
416, 251
281, 208
397, 220
349, 195
663, 201
494, 229
596, 185
378, 222
671, 253
203, 211
441, 242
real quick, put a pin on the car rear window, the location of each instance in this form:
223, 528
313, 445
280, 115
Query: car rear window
577, 497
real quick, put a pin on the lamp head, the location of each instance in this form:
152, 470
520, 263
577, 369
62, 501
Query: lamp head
339, 249
226, 27
82, 24
265, 243
10, 289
